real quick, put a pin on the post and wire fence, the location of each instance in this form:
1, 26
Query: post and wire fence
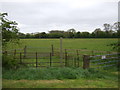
103, 61
52, 57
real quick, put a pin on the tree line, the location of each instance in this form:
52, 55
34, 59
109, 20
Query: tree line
109, 31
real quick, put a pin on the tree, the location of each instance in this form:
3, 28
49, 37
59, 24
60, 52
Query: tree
55, 35
71, 30
43, 35
9, 30
28, 35
98, 33
56, 31
116, 26
78, 35
107, 27
85, 34
9, 34
21, 35
71, 33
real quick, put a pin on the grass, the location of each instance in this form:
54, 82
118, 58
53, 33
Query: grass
59, 78
56, 73
79, 83
89, 44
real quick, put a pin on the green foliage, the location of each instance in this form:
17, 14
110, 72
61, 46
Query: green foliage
9, 62
53, 73
115, 46
9, 30
98, 33
55, 35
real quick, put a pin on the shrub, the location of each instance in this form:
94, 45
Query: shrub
9, 62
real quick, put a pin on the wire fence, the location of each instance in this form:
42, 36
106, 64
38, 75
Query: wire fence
107, 60
51, 57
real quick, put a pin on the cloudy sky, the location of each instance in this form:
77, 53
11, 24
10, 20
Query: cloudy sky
46, 15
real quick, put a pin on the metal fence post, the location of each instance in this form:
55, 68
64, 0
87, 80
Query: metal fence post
86, 61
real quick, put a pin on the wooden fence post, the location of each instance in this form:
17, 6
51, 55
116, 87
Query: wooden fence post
14, 53
78, 62
92, 52
77, 57
74, 62
86, 61
20, 58
6, 53
52, 50
77, 52
36, 60
61, 53
25, 49
65, 58
118, 55
50, 59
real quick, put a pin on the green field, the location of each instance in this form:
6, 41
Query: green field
44, 45
89, 44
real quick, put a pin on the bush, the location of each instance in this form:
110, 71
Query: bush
9, 62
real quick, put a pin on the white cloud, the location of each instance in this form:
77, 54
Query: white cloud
45, 15
59, 0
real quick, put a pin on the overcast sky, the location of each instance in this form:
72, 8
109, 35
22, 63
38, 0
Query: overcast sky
45, 15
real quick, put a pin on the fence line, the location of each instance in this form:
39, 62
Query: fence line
69, 58
113, 58
104, 59
106, 66
106, 62
105, 55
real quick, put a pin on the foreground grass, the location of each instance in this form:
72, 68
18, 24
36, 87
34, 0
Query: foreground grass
56, 73
59, 78
73, 83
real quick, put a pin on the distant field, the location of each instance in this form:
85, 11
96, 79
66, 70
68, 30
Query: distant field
89, 44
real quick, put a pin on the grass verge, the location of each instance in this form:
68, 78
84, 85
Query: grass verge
72, 83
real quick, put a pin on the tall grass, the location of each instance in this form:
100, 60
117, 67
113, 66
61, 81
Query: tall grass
55, 73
